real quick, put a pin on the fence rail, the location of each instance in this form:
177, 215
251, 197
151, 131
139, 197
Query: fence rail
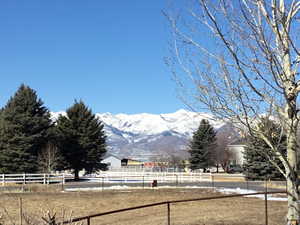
113, 177
150, 176
141, 179
168, 203
24, 178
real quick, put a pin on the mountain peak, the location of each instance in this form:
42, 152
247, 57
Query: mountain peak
182, 111
144, 133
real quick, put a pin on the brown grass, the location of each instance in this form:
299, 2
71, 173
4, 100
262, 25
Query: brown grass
13, 188
234, 211
275, 185
219, 178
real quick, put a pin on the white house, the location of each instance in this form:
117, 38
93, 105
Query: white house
112, 162
237, 152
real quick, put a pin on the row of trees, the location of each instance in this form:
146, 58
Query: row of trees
204, 151
31, 141
209, 148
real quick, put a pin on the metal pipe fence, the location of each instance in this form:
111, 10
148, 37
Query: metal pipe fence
211, 180
181, 179
168, 204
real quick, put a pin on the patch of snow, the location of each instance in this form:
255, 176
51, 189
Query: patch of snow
116, 187
222, 190
244, 191
125, 187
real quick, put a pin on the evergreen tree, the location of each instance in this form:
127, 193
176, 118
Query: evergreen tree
201, 146
24, 123
257, 154
82, 139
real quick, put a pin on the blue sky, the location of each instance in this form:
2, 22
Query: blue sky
109, 53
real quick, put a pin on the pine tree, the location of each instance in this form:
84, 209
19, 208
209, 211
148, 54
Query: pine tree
257, 154
201, 146
24, 123
82, 139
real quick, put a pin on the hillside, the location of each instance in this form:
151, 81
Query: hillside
147, 135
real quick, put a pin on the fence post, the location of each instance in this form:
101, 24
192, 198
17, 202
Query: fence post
169, 214
62, 181
212, 181
88, 220
24, 178
44, 181
21, 211
102, 184
266, 201
3, 179
143, 182
266, 207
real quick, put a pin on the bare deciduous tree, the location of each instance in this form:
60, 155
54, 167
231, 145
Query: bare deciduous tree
242, 59
175, 162
48, 158
222, 155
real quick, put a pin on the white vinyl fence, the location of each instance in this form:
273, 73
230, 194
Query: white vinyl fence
118, 177
128, 177
31, 178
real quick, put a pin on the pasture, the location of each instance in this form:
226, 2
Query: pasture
233, 211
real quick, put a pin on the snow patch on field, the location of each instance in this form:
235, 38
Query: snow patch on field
117, 187
123, 187
244, 191
126, 188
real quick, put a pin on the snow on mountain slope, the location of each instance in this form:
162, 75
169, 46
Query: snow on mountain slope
182, 122
55, 115
153, 134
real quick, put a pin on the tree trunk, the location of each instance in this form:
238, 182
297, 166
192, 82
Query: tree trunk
76, 175
292, 177
293, 204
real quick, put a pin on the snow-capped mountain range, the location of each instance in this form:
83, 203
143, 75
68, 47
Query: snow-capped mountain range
147, 135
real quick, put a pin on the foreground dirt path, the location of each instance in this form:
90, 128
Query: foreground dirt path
233, 211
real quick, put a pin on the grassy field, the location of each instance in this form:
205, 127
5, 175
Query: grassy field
234, 211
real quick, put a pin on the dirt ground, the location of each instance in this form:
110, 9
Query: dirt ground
233, 211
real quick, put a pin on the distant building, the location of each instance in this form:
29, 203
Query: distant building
112, 162
150, 164
131, 163
236, 150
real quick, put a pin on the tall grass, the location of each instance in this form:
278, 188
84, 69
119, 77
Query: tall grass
48, 217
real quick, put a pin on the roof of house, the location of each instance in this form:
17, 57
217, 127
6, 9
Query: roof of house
107, 155
241, 141
132, 159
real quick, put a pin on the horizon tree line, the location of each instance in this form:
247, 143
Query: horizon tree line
30, 141
204, 150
